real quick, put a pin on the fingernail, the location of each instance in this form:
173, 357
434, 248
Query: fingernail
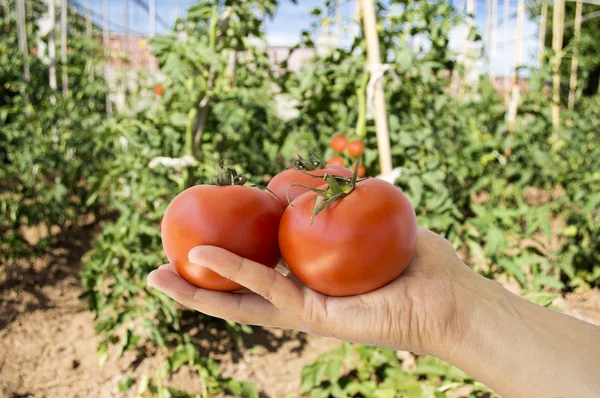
197, 256
149, 280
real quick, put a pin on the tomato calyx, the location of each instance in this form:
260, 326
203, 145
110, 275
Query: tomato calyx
225, 175
338, 188
314, 162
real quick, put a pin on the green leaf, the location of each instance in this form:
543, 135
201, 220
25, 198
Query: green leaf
547, 280
333, 370
541, 298
416, 190
179, 119
495, 240
126, 384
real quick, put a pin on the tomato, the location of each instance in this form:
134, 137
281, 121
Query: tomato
158, 89
336, 160
339, 143
356, 149
302, 174
361, 171
241, 219
357, 244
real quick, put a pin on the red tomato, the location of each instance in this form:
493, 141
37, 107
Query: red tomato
356, 149
280, 183
336, 160
361, 171
339, 143
358, 244
243, 220
158, 89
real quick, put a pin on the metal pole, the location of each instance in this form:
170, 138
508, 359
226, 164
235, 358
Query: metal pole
506, 9
515, 94
63, 47
90, 33
575, 60
106, 43
494, 29
381, 123
22, 38
558, 21
488, 29
152, 29
52, 49
542, 32
126, 39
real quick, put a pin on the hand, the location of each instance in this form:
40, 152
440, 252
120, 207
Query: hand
416, 312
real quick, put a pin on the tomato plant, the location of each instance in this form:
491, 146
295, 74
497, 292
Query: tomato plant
238, 218
339, 143
348, 239
293, 182
356, 148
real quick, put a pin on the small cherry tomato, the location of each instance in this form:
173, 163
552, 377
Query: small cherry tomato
339, 143
361, 171
159, 89
336, 160
356, 149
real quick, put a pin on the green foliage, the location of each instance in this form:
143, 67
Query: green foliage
50, 153
588, 47
210, 110
365, 371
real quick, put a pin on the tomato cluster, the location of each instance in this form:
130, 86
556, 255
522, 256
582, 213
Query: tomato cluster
355, 149
338, 234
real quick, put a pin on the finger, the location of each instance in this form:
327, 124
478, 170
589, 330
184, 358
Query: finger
243, 308
267, 282
168, 267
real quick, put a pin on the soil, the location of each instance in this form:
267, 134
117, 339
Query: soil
48, 345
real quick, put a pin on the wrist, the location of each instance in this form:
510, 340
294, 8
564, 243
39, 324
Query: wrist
483, 307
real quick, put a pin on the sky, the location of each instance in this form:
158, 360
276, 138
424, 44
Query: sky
291, 19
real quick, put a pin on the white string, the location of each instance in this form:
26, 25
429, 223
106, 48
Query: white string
172, 163
377, 71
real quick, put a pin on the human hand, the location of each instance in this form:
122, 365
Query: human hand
416, 312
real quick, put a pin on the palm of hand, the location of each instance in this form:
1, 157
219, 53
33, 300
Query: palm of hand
410, 313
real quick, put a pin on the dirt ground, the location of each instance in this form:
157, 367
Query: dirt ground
48, 345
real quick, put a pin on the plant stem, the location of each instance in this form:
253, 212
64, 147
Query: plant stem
361, 93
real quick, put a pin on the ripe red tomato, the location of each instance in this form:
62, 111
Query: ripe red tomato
243, 220
280, 183
356, 149
339, 143
361, 171
336, 160
158, 89
358, 244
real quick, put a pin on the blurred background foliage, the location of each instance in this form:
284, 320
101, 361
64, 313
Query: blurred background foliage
520, 206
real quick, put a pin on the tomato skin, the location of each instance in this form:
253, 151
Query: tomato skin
339, 143
336, 160
358, 244
158, 89
356, 149
280, 183
243, 220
